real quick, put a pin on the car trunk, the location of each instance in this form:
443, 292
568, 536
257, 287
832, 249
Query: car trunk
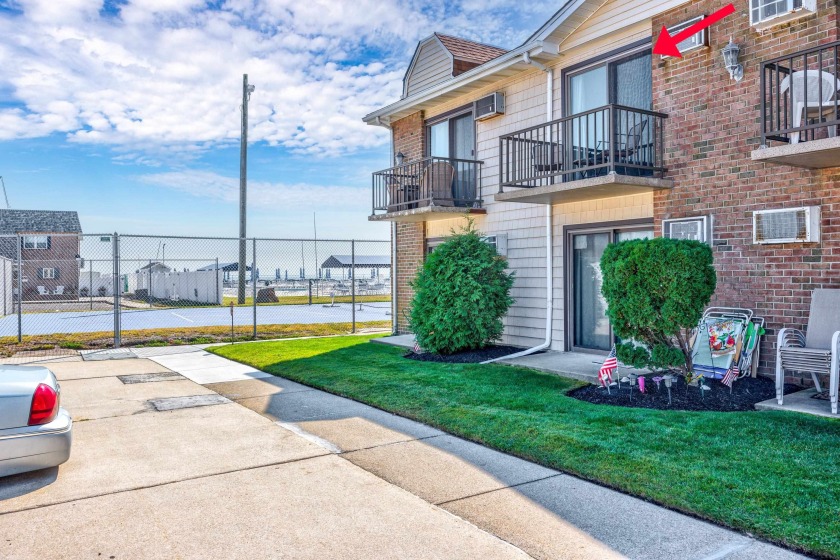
17, 385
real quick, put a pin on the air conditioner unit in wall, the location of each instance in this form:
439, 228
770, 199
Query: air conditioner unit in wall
698, 228
787, 225
489, 107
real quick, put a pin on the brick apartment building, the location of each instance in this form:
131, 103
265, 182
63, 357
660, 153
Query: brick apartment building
49, 250
581, 136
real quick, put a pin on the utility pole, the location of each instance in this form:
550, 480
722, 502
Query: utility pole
243, 181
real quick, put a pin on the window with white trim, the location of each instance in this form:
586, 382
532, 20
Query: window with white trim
48, 273
697, 41
766, 13
36, 241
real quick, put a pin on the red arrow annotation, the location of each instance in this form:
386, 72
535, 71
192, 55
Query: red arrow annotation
666, 45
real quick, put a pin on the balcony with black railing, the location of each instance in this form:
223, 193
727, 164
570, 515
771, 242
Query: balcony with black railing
427, 189
609, 151
800, 114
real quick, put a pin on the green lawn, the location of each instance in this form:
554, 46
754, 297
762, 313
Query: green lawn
773, 474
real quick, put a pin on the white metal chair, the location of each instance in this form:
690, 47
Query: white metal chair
817, 351
42, 290
814, 106
59, 291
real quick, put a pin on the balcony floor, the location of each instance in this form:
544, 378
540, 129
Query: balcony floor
426, 214
593, 188
814, 154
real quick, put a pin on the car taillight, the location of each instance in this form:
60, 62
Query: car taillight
44, 405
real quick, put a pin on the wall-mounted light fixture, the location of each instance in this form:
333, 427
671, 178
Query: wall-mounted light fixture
730, 59
400, 157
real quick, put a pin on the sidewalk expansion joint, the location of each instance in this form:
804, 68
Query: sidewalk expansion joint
390, 443
167, 483
517, 485
726, 551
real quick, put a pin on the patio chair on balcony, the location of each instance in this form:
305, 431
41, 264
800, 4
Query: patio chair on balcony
436, 184
817, 351
815, 106
548, 157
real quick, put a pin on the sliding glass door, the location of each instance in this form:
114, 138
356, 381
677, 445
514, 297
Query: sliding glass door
454, 138
588, 323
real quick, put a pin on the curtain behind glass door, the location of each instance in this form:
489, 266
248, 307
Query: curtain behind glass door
591, 325
463, 147
439, 139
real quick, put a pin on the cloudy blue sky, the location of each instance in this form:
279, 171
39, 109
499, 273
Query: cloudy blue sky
128, 110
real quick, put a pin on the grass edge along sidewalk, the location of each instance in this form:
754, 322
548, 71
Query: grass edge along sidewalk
771, 474
169, 337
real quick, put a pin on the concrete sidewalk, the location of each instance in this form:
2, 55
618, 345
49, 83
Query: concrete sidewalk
545, 513
209, 478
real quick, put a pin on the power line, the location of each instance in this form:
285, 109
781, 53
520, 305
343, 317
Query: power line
5, 195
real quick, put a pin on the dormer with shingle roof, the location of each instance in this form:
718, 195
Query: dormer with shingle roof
440, 57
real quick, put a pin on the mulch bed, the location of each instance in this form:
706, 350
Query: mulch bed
745, 393
469, 357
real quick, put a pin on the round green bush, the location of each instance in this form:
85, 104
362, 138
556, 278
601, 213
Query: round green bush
460, 295
656, 291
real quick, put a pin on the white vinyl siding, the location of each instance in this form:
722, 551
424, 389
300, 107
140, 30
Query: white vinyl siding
433, 65
524, 224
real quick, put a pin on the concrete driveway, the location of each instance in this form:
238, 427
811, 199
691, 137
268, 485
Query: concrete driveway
256, 466
148, 479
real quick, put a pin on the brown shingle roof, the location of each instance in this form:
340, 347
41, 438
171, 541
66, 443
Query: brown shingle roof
469, 51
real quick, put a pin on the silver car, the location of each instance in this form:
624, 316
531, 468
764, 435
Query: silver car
35, 432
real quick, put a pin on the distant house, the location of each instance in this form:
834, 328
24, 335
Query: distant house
49, 250
154, 267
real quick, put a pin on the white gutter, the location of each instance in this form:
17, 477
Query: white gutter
549, 233
486, 70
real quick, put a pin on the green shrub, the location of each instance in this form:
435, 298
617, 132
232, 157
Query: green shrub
656, 290
460, 295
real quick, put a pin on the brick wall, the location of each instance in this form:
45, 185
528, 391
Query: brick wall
714, 124
409, 136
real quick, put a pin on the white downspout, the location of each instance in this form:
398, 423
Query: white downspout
382, 123
549, 233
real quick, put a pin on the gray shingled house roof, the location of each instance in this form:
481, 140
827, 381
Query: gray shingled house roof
39, 221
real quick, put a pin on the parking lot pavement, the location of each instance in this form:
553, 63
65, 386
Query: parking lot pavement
209, 478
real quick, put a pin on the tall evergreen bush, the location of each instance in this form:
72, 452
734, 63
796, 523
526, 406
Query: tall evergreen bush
460, 295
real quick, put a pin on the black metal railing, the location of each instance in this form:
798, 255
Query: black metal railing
799, 95
431, 181
609, 139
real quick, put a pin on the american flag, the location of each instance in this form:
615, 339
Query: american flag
606, 371
731, 375
417, 349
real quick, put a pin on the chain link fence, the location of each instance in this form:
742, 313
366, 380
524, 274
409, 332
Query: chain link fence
61, 293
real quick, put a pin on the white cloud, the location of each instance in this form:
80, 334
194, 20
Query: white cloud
163, 77
261, 194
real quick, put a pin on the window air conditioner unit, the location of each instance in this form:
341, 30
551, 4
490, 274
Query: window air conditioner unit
765, 14
499, 242
788, 225
697, 41
698, 228
490, 106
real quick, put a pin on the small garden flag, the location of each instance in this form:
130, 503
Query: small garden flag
731, 375
606, 371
